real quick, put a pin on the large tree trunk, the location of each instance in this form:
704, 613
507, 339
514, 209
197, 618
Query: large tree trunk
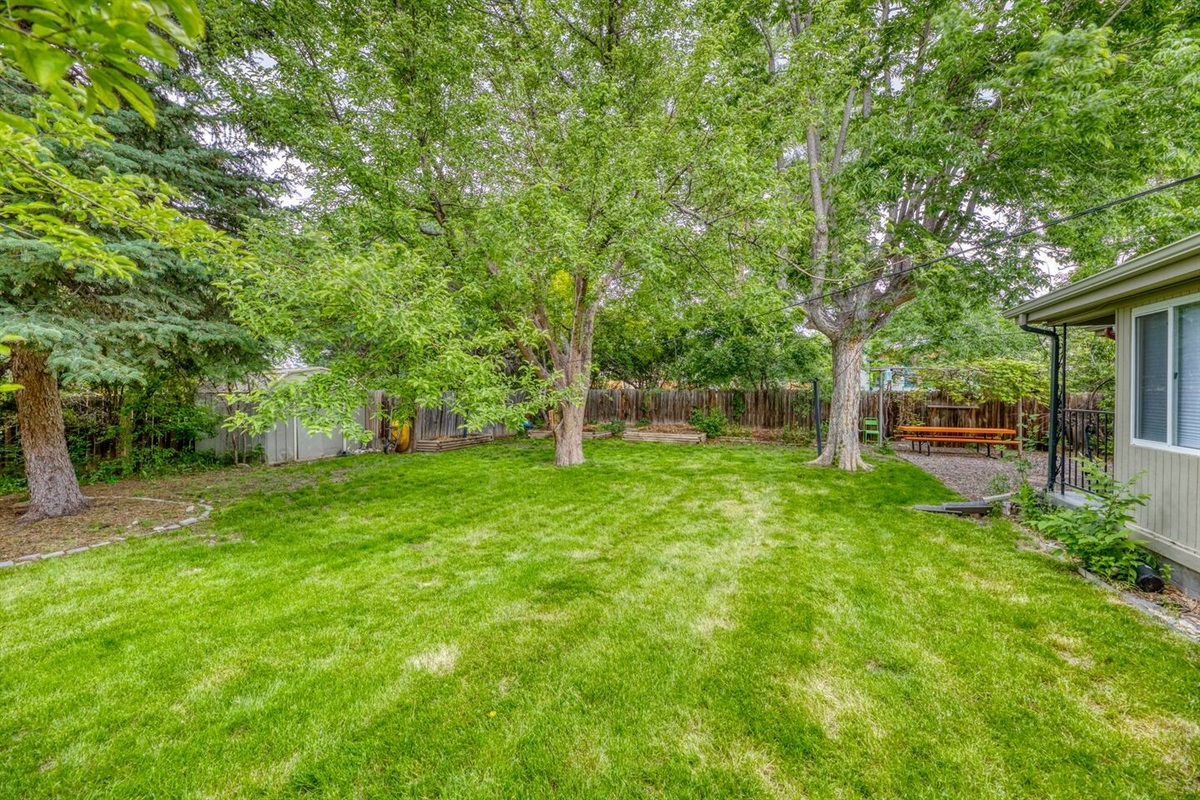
53, 487
841, 448
568, 435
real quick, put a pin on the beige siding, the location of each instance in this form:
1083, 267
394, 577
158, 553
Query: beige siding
1171, 520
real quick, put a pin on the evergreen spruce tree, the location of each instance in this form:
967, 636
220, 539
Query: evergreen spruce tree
93, 327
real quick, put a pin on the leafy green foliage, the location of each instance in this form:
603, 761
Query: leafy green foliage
886, 137
614, 426
162, 425
48, 45
99, 326
1004, 380
48, 39
1098, 534
522, 158
712, 422
378, 317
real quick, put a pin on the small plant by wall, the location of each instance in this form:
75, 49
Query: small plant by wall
1098, 534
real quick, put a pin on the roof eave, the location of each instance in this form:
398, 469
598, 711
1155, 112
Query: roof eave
1082, 295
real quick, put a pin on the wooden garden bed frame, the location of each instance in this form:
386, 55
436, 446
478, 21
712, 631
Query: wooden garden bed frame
669, 438
442, 445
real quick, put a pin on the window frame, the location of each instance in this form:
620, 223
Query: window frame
1172, 374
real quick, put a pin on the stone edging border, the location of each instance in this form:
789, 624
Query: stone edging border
1157, 612
183, 523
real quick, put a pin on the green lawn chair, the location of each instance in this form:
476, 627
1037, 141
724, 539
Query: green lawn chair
870, 427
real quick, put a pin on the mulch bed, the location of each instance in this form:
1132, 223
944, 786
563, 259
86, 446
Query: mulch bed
108, 517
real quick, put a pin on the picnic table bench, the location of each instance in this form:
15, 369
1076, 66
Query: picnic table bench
916, 435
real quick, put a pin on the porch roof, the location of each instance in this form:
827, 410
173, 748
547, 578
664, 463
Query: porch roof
1095, 299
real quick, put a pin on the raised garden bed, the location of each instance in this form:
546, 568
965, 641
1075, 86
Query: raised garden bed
452, 443
662, 436
586, 434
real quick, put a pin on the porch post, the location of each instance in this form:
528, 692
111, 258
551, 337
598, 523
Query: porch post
1052, 469
1052, 445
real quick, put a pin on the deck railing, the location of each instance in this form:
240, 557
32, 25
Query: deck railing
1086, 434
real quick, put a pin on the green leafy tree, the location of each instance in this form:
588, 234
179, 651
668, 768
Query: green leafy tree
528, 152
731, 349
82, 57
378, 316
903, 132
147, 329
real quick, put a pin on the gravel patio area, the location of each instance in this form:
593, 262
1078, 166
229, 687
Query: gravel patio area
970, 473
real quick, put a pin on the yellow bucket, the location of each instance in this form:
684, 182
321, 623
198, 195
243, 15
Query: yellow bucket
401, 435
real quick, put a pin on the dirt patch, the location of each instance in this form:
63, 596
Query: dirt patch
107, 518
113, 514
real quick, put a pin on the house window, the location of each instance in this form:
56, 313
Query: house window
1187, 372
1151, 385
1166, 374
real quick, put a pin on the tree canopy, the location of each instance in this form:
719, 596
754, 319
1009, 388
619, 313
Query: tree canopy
530, 169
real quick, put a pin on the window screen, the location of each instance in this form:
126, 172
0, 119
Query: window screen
1151, 380
1187, 370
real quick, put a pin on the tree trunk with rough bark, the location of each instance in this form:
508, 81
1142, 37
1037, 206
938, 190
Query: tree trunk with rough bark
842, 446
568, 435
571, 359
125, 426
53, 487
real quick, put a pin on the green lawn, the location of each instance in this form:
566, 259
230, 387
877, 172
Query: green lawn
664, 621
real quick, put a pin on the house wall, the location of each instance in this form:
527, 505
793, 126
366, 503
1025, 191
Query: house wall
1170, 522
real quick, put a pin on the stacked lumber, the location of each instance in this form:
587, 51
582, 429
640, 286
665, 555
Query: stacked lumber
442, 445
670, 438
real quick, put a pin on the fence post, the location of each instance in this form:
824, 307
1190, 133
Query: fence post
817, 412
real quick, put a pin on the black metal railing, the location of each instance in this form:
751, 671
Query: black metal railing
1086, 434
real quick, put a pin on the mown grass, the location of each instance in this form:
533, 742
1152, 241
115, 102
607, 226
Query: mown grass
663, 621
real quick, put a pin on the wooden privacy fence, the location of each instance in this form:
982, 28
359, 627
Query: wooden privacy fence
780, 408
770, 408
443, 423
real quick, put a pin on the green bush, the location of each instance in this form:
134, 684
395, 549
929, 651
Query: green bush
1098, 534
794, 434
711, 422
152, 462
615, 426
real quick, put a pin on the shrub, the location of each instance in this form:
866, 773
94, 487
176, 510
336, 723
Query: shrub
712, 422
615, 426
794, 434
998, 484
1098, 534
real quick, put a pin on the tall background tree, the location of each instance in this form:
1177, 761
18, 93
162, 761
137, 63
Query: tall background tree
903, 132
144, 328
529, 151
69, 61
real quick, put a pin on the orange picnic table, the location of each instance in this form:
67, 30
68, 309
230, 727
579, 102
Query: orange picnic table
917, 435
